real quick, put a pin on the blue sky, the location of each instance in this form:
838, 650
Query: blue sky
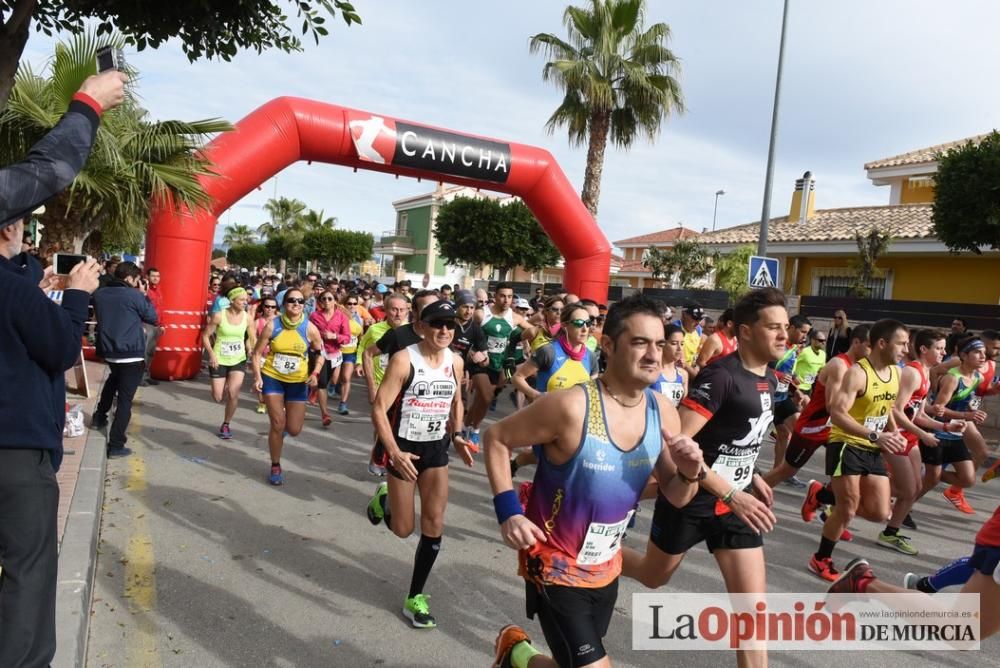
863, 80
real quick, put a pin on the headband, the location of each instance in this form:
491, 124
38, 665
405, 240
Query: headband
235, 292
975, 344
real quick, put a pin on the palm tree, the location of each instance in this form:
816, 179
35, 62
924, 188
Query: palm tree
236, 235
313, 220
872, 245
618, 78
133, 163
286, 217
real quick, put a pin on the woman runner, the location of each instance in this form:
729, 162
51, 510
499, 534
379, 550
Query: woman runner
227, 358
333, 327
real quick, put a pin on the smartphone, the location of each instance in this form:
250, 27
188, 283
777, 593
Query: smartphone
110, 58
64, 262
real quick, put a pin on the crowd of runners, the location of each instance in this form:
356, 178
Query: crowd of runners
614, 405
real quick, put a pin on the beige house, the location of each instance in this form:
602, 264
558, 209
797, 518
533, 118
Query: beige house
632, 272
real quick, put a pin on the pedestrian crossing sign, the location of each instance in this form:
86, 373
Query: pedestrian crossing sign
763, 272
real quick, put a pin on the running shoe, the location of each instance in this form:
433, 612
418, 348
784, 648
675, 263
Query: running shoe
474, 441
376, 509
121, 451
509, 636
224, 432
415, 609
992, 472
342, 409
855, 578
524, 494
327, 420
898, 542
810, 504
98, 421
261, 408
795, 482
331, 391
909, 523
910, 581
957, 498
824, 568
276, 477
378, 461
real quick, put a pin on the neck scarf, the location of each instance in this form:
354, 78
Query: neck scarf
575, 355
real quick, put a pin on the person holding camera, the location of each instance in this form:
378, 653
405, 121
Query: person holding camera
41, 342
122, 307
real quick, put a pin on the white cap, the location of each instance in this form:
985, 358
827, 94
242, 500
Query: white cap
521, 302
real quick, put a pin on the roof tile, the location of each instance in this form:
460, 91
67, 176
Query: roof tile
661, 237
921, 155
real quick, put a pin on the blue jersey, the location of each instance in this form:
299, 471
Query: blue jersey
964, 398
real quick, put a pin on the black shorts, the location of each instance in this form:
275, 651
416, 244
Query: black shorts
677, 530
574, 620
223, 371
985, 559
843, 459
784, 410
800, 449
493, 374
947, 452
325, 373
433, 454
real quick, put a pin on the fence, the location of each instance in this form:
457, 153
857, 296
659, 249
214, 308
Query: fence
914, 313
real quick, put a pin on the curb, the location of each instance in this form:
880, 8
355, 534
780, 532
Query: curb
78, 556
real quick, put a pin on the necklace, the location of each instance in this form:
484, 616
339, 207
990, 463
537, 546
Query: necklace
619, 401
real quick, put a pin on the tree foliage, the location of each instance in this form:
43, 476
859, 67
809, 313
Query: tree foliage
478, 232
287, 217
872, 245
133, 161
685, 263
967, 196
338, 249
238, 234
618, 79
731, 271
248, 255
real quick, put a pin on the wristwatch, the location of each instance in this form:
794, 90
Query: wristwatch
698, 478
457, 434
873, 436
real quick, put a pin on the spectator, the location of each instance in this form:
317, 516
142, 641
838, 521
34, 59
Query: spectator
109, 270
41, 342
838, 341
538, 301
445, 292
959, 330
153, 332
122, 308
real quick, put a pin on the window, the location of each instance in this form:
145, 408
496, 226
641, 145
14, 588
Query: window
401, 224
838, 282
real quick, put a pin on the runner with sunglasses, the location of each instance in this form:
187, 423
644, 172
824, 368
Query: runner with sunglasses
417, 407
266, 312
284, 377
333, 326
227, 358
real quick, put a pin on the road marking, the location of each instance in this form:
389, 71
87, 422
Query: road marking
140, 580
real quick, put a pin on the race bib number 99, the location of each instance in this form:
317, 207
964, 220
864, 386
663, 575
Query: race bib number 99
736, 469
602, 541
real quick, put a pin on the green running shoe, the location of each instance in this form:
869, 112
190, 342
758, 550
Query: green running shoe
415, 609
375, 509
898, 543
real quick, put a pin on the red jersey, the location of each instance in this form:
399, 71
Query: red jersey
989, 535
916, 400
728, 346
990, 378
814, 420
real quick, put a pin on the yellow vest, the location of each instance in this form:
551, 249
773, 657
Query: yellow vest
872, 409
690, 346
288, 360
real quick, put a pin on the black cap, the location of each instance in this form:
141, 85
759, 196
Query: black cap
439, 310
695, 310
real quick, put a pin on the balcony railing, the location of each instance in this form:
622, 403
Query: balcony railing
393, 243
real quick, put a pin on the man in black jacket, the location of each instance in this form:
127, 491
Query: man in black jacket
122, 308
41, 341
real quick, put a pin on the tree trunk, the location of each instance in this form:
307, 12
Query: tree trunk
64, 231
600, 124
13, 37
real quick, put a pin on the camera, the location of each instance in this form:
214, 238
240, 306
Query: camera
110, 58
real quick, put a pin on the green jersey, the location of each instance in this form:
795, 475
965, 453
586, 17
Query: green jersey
807, 367
230, 348
380, 362
497, 329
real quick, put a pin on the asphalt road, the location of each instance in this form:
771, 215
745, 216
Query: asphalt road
203, 564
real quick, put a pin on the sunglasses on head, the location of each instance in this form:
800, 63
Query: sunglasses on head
581, 323
295, 300
441, 324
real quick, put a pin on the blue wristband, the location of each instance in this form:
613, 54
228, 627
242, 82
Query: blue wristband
506, 504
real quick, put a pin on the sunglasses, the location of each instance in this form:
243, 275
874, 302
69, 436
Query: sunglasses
270, 306
352, 303
295, 300
599, 319
441, 324
581, 323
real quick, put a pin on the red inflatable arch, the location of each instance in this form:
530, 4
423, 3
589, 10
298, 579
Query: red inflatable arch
289, 129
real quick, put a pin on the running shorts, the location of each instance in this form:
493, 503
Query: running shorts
325, 373
493, 374
350, 358
433, 454
222, 371
574, 620
800, 449
986, 560
675, 531
784, 410
948, 452
843, 459
292, 391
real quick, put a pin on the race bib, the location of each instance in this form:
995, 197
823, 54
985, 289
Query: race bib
335, 359
810, 379
496, 346
737, 469
286, 364
602, 541
782, 387
876, 423
673, 391
230, 348
975, 401
353, 343
383, 361
423, 427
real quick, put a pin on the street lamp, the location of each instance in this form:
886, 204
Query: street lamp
765, 214
716, 209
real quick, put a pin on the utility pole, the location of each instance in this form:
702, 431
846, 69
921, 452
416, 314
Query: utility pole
765, 214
